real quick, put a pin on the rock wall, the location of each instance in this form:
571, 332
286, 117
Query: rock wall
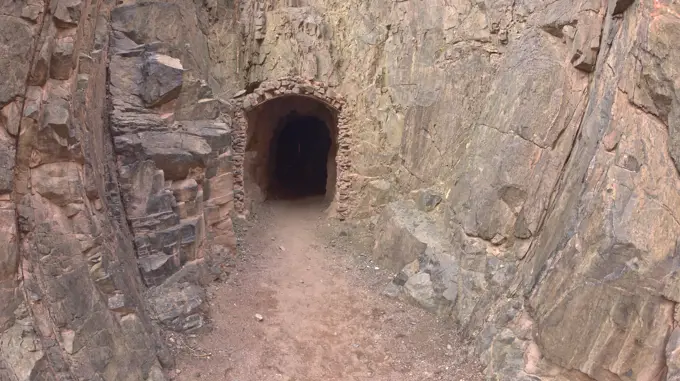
72, 306
171, 136
519, 160
115, 167
547, 130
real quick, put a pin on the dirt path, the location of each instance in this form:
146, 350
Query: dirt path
324, 318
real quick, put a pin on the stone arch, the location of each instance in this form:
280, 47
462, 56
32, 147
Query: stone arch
267, 91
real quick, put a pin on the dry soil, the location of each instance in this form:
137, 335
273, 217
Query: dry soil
322, 315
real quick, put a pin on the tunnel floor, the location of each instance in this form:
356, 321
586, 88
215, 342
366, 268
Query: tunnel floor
298, 159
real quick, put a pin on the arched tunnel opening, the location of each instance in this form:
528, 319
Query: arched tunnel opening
291, 148
298, 157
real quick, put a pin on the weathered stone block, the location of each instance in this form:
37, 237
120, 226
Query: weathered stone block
586, 42
21, 350
119, 303
61, 63
154, 222
58, 182
156, 374
41, 66
221, 185
185, 190
66, 12
188, 209
191, 236
10, 117
427, 200
163, 201
196, 102
178, 306
33, 103
396, 241
175, 153
219, 166
219, 201
419, 288
379, 192
7, 162
162, 76
15, 52
157, 267
54, 139
57, 118
8, 251
673, 355
166, 240
32, 10
217, 213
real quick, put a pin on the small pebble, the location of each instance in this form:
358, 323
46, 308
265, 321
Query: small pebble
259, 317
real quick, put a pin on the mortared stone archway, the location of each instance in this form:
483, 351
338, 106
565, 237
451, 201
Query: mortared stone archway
293, 91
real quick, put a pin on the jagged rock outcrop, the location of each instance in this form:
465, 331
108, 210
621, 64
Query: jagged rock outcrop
68, 251
539, 142
74, 303
171, 136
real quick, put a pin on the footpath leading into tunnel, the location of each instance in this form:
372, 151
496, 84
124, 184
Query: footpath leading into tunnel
323, 315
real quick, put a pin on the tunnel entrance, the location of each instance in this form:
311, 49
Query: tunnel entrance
291, 149
298, 158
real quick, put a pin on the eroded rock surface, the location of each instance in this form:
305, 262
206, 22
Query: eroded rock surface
72, 294
539, 141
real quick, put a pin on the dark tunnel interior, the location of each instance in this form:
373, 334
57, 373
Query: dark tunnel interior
298, 158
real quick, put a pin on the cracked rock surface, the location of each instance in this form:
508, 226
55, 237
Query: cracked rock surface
515, 162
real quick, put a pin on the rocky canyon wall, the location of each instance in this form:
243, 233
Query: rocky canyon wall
114, 170
516, 160
536, 142
72, 305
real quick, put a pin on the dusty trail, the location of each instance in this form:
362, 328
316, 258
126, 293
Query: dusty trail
324, 318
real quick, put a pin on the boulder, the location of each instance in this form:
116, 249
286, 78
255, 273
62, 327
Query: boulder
157, 266
403, 233
432, 276
179, 307
419, 288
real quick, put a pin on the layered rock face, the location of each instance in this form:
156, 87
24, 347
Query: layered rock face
518, 159
546, 129
72, 306
110, 139
171, 136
